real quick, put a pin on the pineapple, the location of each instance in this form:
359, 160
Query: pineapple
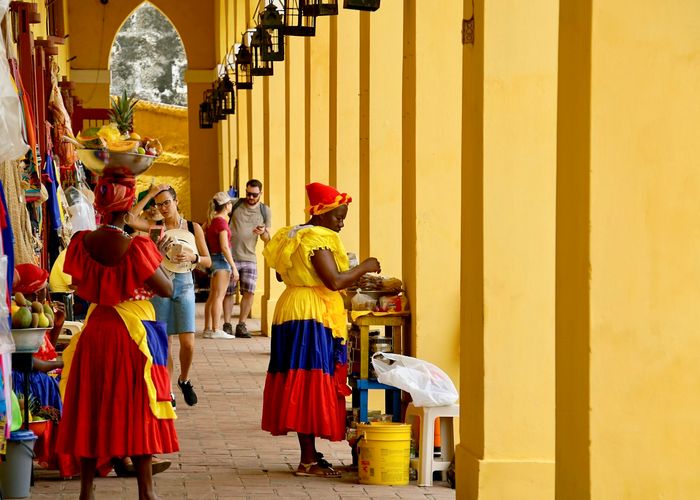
122, 112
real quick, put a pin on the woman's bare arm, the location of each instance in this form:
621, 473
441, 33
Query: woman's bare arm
160, 283
327, 270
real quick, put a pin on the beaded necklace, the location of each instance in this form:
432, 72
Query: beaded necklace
115, 228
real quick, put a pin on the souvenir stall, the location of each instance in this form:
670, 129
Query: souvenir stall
35, 165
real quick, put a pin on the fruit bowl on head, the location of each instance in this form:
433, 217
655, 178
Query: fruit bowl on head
28, 339
104, 161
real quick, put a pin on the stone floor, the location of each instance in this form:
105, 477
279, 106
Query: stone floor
224, 454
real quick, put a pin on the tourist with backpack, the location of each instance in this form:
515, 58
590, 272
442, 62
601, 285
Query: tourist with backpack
250, 220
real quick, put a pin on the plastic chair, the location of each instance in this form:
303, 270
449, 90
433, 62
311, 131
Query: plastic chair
426, 463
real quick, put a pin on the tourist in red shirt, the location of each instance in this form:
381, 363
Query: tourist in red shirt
218, 237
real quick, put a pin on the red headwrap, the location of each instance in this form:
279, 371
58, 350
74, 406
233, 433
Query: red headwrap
31, 278
114, 194
324, 198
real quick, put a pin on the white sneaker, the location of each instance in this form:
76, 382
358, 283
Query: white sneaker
206, 334
220, 334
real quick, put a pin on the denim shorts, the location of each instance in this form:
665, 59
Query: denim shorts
218, 263
177, 311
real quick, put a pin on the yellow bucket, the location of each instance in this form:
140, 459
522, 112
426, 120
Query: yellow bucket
384, 449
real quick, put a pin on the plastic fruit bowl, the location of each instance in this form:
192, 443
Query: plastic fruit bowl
28, 339
38, 427
103, 161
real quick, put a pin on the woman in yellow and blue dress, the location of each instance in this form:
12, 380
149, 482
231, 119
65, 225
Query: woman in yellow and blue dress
306, 382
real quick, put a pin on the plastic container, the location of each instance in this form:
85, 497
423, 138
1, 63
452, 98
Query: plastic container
384, 450
28, 339
16, 471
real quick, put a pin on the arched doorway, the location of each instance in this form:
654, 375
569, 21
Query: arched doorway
148, 61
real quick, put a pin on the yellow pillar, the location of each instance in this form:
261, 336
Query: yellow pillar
383, 187
508, 261
432, 163
295, 57
318, 65
275, 183
345, 32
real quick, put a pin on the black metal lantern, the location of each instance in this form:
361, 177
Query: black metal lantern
296, 22
244, 77
205, 120
228, 95
272, 21
212, 97
370, 5
259, 67
319, 7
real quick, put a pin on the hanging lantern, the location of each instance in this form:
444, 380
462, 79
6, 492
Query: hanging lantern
319, 7
205, 120
296, 22
370, 5
244, 78
216, 97
214, 107
228, 95
259, 67
272, 22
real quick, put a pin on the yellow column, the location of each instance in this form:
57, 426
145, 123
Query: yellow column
296, 128
384, 183
431, 170
508, 242
345, 31
318, 64
275, 183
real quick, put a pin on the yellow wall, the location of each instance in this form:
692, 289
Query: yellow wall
94, 27
169, 125
640, 169
509, 146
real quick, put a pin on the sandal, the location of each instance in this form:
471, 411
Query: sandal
123, 467
322, 462
315, 470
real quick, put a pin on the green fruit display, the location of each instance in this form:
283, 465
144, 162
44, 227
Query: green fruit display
37, 307
20, 300
43, 321
49, 314
22, 318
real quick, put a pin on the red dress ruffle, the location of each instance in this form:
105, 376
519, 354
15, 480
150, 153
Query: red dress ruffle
106, 409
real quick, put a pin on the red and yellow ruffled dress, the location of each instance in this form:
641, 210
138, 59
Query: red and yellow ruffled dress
115, 385
306, 382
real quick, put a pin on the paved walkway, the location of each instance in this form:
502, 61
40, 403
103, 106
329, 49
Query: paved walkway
224, 454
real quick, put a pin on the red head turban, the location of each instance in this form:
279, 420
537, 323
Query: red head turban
324, 198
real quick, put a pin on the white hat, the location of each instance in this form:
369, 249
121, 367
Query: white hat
186, 239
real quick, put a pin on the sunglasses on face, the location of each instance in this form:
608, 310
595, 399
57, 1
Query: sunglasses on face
251, 195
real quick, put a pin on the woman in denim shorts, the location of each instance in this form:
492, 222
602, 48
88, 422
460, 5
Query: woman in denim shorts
178, 311
218, 236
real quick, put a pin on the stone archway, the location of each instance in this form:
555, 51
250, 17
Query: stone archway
93, 27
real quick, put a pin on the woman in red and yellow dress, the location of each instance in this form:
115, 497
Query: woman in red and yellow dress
115, 385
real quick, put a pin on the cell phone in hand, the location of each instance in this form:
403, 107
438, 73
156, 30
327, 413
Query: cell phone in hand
176, 249
156, 233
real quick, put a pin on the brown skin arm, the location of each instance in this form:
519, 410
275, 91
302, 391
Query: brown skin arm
160, 283
46, 366
325, 267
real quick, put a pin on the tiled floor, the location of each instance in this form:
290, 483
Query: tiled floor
224, 454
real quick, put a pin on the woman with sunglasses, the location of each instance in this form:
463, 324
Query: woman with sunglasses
187, 251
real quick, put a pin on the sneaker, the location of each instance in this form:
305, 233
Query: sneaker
188, 392
228, 328
220, 334
242, 331
206, 334
172, 400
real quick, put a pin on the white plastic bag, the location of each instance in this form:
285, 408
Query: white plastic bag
427, 384
12, 145
80, 210
363, 302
